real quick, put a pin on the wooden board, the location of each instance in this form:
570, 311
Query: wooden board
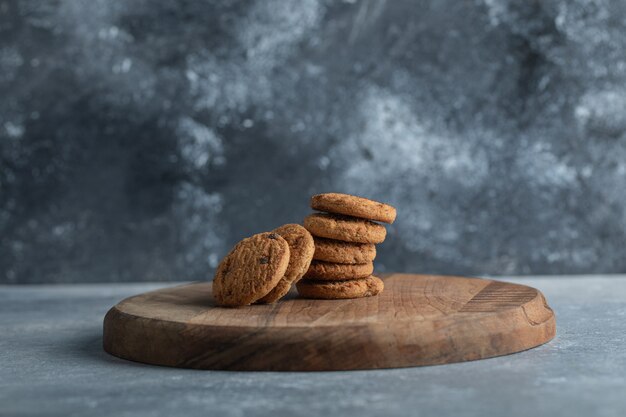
417, 320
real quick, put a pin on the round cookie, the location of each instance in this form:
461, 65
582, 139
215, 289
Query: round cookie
348, 229
333, 290
351, 205
301, 248
320, 270
251, 269
330, 250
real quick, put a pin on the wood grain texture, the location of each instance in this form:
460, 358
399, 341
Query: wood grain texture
417, 320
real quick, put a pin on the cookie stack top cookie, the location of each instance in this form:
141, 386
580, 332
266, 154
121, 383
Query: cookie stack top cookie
354, 206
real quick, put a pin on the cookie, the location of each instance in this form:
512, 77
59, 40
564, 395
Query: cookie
351, 205
348, 229
320, 270
251, 270
301, 248
332, 290
330, 250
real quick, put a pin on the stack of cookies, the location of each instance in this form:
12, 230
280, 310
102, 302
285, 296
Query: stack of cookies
334, 251
345, 236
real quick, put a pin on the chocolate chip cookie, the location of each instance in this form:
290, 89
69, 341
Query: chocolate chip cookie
251, 270
301, 248
348, 229
330, 250
351, 205
332, 290
320, 270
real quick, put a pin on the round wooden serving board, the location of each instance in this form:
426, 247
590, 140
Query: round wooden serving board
417, 320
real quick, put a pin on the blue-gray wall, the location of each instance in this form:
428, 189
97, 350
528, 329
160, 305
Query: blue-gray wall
140, 139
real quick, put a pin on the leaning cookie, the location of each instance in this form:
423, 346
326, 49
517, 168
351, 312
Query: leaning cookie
333, 290
330, 250
351, 205
251, 270
320, 270
345, 228
301, 249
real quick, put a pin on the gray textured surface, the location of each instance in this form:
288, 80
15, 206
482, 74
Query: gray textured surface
52, 363
139, 140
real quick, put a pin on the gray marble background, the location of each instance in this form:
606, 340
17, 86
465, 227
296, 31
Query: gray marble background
139, 140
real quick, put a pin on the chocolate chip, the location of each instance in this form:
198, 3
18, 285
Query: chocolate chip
272, 236
264, 260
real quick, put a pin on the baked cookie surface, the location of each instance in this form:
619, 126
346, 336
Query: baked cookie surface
251, 269
333, 290
345, 228
320, 270
351, 205
301, 248
330, 250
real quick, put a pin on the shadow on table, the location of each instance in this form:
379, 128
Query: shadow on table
89, 346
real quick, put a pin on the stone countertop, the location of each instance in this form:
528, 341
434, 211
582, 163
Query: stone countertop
52, 363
